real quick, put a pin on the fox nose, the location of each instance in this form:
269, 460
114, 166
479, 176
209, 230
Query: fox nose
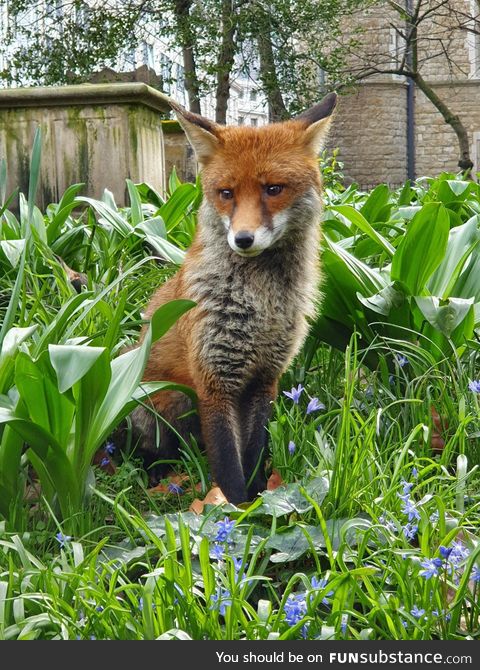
244, 239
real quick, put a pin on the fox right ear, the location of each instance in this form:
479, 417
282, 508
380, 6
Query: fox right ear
201, 133
317, 121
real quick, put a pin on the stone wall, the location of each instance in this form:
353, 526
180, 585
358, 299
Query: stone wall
370, 127
97, 134
178, 152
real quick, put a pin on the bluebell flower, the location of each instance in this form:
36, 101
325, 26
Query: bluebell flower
175, 488
475, 574
314, 406
217, 552
409, 531
295, 608
474, 385
291, 447
294, 394
414, 472
401, 360
62, 539
389, 525
434, 517
99, 608
104, 462
221, 599
237, 564
431, 567
225, 529
459, 553
343, 624
445, 551
109, 448
318, 585
410, 509
416, 612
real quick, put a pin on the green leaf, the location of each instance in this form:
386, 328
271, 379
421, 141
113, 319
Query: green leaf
444, 316
72, 362
383, 301
136, 212
422, 249
288, 498
362, 224
13, 250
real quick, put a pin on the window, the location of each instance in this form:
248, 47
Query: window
254, 122
147, 54
253, 95
240, 94
473, 40
241, 120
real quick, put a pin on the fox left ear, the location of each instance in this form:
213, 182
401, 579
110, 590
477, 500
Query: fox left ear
201, 133
317, 121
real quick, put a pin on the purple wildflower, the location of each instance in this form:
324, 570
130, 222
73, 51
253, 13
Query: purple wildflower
314, 406
318, 585
343, 624
217, 552
223, 599
434, 517
294, 394
410, 509
62, 539
295, 608
416, 612
459, 553
474, 385
409, 531
431, 567
389, 525
414, 472
104, 462
291, 447
475, 574
445, 551
225, 529
175, 488
109, 448
401, 360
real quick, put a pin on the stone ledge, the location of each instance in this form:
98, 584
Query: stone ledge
85, 94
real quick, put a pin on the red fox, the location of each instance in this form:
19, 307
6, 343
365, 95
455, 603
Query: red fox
253, 270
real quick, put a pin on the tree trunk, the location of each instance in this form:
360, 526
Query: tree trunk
225, 61
187, 42
276, 106
453, 120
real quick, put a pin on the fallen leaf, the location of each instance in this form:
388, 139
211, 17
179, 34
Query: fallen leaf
213, 497
274, 481
439, 425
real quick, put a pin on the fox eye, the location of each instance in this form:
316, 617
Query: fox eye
226, 193
273, 189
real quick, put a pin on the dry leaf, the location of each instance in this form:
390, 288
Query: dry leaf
213, 497
274, 481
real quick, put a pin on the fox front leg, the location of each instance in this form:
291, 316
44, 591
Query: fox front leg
255, 409
222, 443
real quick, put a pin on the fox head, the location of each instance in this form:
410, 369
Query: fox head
257, 179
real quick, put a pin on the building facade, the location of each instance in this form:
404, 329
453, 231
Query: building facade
371, 126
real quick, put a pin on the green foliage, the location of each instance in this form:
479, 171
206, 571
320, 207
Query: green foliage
403, 264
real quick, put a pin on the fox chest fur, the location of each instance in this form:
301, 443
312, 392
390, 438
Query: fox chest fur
253, 312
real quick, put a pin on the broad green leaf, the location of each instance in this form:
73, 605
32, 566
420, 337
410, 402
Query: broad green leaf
375, 209
288, 498
422, 249
71, 363
444, 317
362, 224
136, 212
383, 301
13, 250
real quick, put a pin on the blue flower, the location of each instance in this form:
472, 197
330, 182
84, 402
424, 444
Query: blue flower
318, 585
414, 472
225, 529
445, 551
237, 564
109, 448
475, 574
314, 406
389, 525
291, 447
217, 552
474, 385
401, 360
221, 599
99, 608
459, 553
417, 613
410, 530
434, 517
294, 394
431, 567
343, 624
295, 608
104, 462
175, 488
62, 539
409, 508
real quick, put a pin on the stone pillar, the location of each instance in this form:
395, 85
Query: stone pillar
98, 134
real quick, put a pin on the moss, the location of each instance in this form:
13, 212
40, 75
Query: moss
171, 126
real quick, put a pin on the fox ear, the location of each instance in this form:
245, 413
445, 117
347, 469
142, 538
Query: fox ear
317, 121
201, 133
